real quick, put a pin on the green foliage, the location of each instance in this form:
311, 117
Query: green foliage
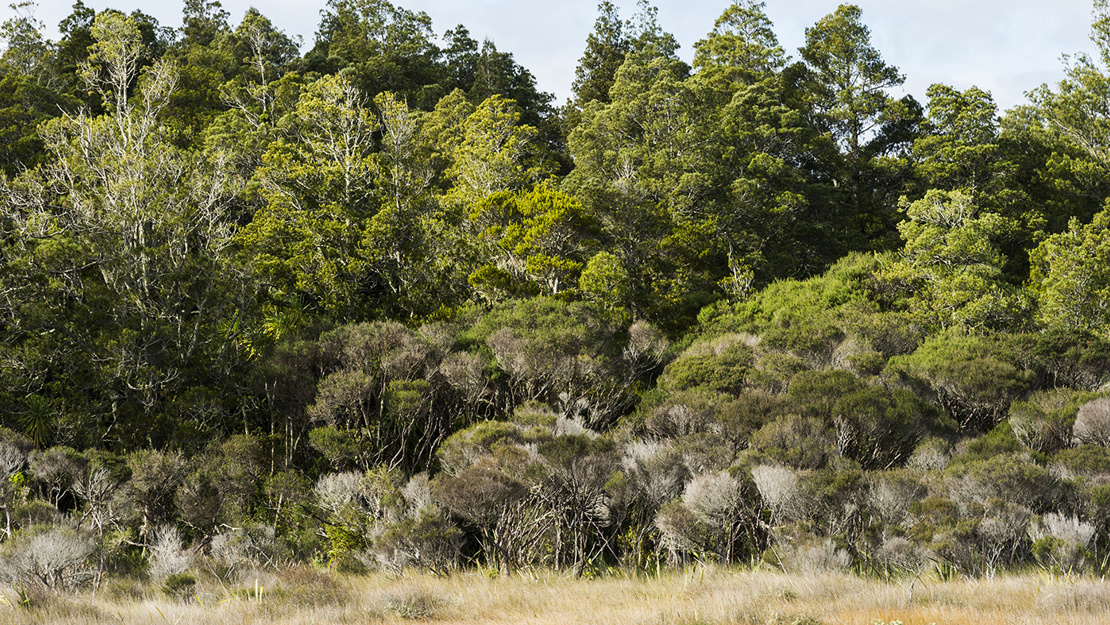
845, 82
495, 152
721, 365
996, 472
953, 266
1070, 279
742, 48
851, 76
1044, 421
143, 236
606, 48
1084, 459
382, 46
975, 378
785, 303
538, 240
180, 585
233, 272
568, 355
317, 188
796, 441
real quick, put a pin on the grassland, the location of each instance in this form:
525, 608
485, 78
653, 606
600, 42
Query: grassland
702, 596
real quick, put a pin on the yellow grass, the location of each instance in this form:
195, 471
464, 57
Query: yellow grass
708, 596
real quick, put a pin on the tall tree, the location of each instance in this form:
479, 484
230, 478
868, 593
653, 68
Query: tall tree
496, 152
26, 53
850, 78
846, 83
1071, 276
388, 48
1080, 109
606, 48
127, 241
952, 265
204, 62
959, 146
646, 35
203, 21
742, 48
1073, 122
31, 90
319, 189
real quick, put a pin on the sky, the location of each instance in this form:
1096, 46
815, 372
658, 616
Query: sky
1007, 47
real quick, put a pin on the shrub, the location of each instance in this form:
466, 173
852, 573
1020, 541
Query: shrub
1043, 422
249, 547
54, 557
899, 554
720, 365
656, 471
739, 418
890, 496
683, 414
683, 533
802, 552
778, 486
975, 378
1061, 542
1007, 477
931, 454
334, 491
1089, 460
429, 542
1092, 422
168, 556
800, 442
179, 585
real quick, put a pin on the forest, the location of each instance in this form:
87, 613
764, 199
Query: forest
375, 302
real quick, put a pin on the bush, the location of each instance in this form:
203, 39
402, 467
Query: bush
720, 365
681, 415
412, 603
725, 508
1009, 478
428, 542
683, 533
54, 558
1061, 543
804, 553
931, 454
800, 442
179, 585
778, 486
168, 556
1044, 421
249, 547
975, 378
1092, 422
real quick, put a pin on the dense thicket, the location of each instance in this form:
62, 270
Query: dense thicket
383, 304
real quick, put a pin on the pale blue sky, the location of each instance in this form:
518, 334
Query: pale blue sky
1005, 46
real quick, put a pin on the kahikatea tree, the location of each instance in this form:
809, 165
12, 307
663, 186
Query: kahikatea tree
845, 83
606, 48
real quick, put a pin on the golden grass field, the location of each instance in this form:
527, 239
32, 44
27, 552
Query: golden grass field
696, 596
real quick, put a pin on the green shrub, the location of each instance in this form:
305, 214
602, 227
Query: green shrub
180, 585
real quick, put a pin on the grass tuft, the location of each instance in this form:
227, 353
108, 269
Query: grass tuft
412, 603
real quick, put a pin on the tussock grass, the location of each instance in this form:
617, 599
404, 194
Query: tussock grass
697, 596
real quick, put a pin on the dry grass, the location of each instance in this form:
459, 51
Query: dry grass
702, 596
